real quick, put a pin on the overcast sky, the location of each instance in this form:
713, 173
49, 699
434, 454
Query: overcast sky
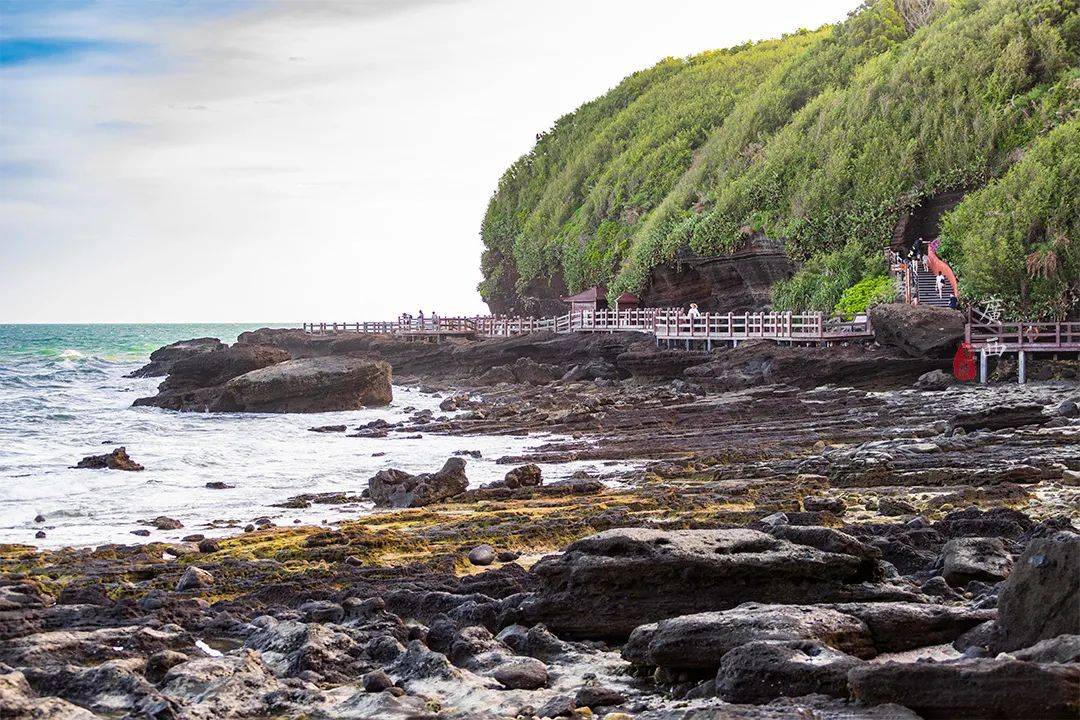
305, 160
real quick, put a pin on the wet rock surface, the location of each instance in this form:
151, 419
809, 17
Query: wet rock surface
396, 488
118, 459
736, 563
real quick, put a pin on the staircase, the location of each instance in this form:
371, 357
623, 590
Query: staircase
926, 284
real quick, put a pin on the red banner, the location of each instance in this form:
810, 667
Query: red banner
963, 364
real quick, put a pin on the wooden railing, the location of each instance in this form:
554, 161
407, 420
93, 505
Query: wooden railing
663, 323
994, 336
677, 325
937, 265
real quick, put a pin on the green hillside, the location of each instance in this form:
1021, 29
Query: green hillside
825, 139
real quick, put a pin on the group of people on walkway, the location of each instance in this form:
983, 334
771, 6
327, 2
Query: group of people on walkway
419, 321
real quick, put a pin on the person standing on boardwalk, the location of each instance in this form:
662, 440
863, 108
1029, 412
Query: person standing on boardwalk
693, 313
940, 281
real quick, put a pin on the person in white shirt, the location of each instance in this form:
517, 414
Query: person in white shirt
940, 285
693, 313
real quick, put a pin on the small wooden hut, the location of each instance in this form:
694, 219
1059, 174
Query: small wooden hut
595, 298
627, 301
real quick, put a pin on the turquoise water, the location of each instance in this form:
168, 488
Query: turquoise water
114, 342
64, 394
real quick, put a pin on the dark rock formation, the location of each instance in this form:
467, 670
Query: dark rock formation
700, 640
309, 385
482, 555
193, 382
118, 459
521, 674
164, 358
936, 380
763, 362
975, 558
1060, 649
919, 331
735, 282
397, 488
979, 689
900, 626
758, 672
256, 378
523, 370
608, 584
1039, 600
524, 476
1000, 417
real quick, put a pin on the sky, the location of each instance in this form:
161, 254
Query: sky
301, 160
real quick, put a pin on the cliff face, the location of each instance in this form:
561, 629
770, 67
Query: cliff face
740, 281
827, 139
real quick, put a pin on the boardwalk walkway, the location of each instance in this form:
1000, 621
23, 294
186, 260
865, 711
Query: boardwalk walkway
988, 336
667, 325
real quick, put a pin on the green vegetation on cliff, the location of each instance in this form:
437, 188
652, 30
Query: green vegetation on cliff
826, 139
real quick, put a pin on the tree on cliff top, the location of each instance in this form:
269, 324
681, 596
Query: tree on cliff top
823, 138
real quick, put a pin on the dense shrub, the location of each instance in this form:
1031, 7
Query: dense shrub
824, 138
866, 293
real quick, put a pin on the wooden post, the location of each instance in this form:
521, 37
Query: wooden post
1022, 367
982, 366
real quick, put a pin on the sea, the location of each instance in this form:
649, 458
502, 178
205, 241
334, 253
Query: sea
64, 395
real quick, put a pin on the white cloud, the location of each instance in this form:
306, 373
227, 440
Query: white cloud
306, 160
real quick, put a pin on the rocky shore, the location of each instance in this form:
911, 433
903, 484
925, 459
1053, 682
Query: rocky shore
809, 535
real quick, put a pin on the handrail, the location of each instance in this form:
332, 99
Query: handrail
937, 265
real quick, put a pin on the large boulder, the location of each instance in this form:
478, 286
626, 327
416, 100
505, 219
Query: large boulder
194, 383
900, 626
605, 585
761, 671
325, 384
918, 331
164, 358
975, 558
984, 689
1039, 600
698, 641
1000, 417
397, 488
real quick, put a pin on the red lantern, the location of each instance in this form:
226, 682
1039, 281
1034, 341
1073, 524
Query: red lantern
963, 365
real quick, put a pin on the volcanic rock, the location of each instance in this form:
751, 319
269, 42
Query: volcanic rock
1061, 649
900, 626
975, 558
918, 331
397, 488
482, 555
521, 674
118, 459
935, 380
194, 577
309, 385
524, 476
984, 688
194, 383
1000, 417
1039, 600
759, 671
607, 584
701, 640
164, 358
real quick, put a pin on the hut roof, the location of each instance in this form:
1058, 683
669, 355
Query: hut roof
627, 298
593, 294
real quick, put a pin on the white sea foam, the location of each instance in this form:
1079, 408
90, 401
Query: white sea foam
63, 414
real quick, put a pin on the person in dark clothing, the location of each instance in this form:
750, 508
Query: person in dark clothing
953, 301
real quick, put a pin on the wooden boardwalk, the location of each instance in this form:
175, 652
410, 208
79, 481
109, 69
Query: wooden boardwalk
991, 337
667, 325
